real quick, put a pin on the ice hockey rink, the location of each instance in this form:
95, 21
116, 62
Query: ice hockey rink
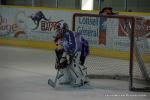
24, 74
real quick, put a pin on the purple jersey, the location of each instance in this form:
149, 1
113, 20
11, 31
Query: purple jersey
73, 42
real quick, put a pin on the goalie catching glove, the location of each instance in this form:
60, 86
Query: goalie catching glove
62, 63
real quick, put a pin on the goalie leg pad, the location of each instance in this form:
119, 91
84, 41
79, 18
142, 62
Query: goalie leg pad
78, 71
65, 76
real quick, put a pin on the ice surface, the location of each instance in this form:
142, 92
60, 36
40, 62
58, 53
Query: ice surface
24, 74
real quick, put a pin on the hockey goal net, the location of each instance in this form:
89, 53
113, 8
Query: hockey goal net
119, 48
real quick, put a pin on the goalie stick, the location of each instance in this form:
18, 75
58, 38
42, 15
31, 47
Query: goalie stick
53, 83
50, 81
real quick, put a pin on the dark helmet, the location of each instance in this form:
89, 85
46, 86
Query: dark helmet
65, 26
109, 8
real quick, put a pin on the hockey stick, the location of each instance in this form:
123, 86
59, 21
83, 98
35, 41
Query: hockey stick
50, 81
53, 83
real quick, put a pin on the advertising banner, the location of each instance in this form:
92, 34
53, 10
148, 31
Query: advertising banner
31, 24
113, 33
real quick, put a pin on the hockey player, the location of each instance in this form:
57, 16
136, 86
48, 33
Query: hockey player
71, 52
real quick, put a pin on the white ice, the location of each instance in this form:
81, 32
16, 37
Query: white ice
24, 73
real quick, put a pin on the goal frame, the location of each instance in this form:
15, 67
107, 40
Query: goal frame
132, 46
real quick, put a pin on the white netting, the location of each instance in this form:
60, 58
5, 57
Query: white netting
142, 49
112, 57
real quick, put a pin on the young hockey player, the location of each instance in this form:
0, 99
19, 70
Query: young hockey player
71, 52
